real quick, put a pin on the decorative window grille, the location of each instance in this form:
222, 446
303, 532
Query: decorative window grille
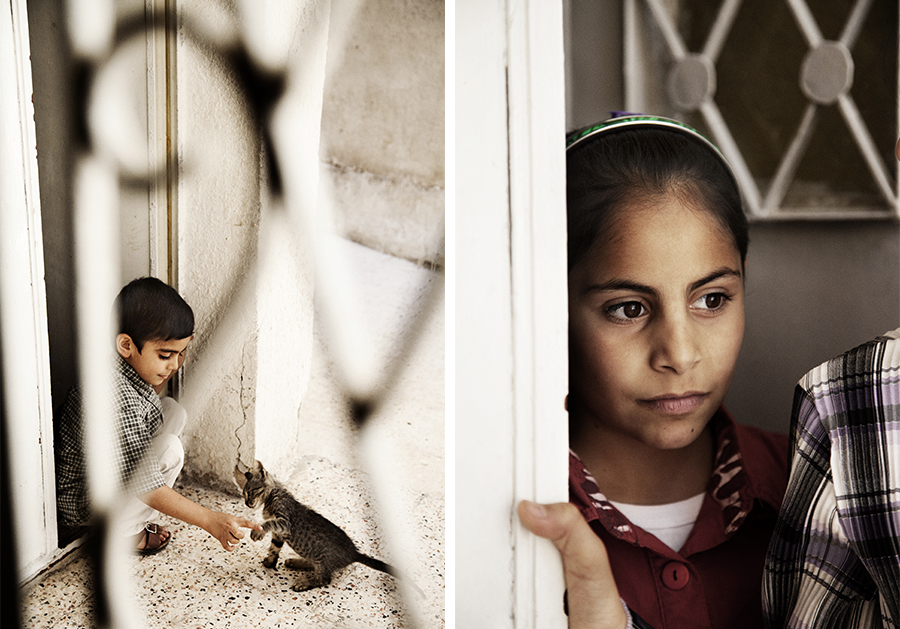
108, 164
801, 96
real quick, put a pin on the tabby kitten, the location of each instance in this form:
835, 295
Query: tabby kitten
323, 548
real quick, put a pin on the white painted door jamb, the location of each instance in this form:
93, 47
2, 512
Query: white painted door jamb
23, 306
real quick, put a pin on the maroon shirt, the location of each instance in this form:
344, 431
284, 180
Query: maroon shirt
715, 580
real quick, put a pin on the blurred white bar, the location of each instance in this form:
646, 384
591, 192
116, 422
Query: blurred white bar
97, 283
296, 124
91, 26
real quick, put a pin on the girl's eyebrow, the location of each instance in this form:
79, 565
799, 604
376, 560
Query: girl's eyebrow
715, 275
636, 287
626, 285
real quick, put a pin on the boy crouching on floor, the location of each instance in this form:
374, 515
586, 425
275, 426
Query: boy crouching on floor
155, 326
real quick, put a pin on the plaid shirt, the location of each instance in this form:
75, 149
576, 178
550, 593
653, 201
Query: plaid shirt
138, 419
834, 560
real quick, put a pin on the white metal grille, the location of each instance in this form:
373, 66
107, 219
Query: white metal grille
826, 76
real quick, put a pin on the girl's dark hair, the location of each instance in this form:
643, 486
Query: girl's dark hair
150, 310
621, 166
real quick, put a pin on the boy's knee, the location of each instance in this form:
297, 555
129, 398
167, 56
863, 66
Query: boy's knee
170, 452
174, 416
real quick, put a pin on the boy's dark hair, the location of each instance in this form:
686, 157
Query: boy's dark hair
148, 309
622, 166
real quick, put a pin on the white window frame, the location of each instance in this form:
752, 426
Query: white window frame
23, 308
509, 274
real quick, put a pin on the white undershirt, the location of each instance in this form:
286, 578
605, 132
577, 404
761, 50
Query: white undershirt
671, 523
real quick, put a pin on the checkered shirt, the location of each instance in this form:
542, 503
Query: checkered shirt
834, 560
138, 416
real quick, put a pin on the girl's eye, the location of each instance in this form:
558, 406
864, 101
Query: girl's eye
165, 356
712, 301
627, 310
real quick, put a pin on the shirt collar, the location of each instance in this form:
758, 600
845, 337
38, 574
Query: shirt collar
729, 485
129, 373
729, 482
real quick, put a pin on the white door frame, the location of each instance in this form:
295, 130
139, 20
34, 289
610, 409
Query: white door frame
162, 110
23, 304
509, 278
23, 307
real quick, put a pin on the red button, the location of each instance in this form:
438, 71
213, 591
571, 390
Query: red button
675, 575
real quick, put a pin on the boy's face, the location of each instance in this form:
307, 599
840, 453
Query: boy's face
157, 361
656, 319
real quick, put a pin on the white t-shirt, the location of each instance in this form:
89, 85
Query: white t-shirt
671, 523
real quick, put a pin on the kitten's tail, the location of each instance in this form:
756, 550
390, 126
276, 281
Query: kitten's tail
377, 564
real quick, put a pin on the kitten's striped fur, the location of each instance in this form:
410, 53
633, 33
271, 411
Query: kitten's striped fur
323, 548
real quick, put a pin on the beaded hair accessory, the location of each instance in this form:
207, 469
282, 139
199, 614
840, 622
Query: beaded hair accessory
624, 120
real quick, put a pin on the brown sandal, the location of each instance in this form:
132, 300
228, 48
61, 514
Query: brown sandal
152, 529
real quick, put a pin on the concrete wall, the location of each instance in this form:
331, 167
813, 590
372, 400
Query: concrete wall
814, 289
382, 146
383, 127
219, 228
248, 279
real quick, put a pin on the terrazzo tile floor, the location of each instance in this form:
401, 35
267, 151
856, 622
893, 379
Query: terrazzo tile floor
194, 583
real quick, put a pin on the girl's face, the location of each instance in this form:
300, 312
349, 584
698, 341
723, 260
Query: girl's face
656, 318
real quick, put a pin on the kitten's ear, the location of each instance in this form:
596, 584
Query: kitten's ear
260, 469
248, 475
241, 478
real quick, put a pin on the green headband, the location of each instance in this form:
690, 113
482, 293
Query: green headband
637, 121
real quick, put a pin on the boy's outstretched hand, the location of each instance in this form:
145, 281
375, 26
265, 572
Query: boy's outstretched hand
593, 598
223, 526
227, 528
